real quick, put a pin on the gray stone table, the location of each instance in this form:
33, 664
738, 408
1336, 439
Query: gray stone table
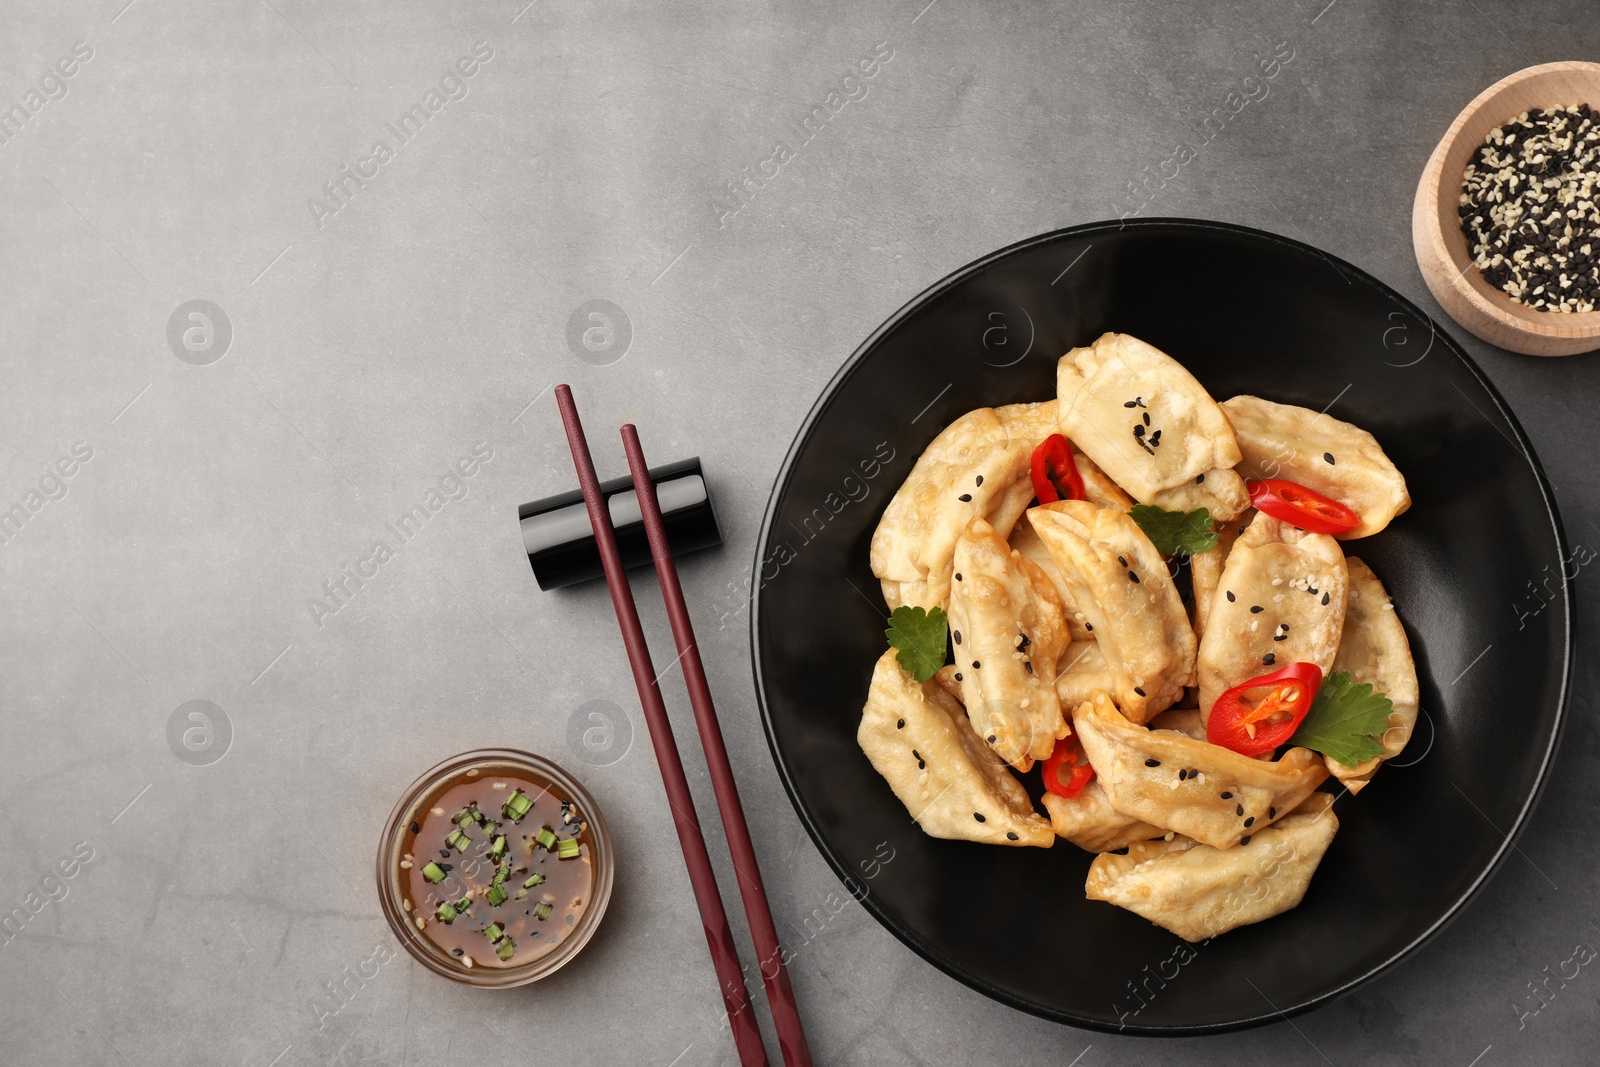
374, 315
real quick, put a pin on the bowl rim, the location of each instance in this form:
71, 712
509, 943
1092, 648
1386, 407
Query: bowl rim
909, 937
605, 865
1437, 187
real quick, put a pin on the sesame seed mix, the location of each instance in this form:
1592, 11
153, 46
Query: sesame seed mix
1528, 208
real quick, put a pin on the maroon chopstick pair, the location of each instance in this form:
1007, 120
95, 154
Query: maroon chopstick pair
719, 937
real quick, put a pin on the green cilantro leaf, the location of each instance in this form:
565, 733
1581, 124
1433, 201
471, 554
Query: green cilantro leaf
1175, 533
1346, 721
920, 637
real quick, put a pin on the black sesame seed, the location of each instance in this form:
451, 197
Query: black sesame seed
456, 953
1139, 400
1088, 627
1324, 598
1227, 796
1280, 637
1027, 666
1152, 763
1272, 813
976, 665
899, 725
1269, 658
1134, 578
965, 498
957, 635
1011, 835
958, 676
979, 816
1182, 775
1122, 560
1136, 689
1147, 418
1251, 821
1328, 456
1131, 404
1231, 597
416, 829
1199, 478
958, 576
1138, 431
1238, 809
444, 853
1245, 840
991, 739
980, 479
1256, 609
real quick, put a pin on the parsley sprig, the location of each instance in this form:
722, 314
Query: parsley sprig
920, 637
1176, 533
1346, 722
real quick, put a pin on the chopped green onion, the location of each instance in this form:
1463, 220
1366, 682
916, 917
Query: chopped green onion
464, 818
433, 872
446, 913
537, 879
496, 896
516, 806
463, 904
570, 849
547, 838
507, 948
542, 910
494, 931
458, 840
497, 847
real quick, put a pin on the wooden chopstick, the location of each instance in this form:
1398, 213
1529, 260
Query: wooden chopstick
780, 996
719, 937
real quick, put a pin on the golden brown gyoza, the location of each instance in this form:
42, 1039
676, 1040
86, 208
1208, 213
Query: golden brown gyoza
1198, 892
1024, 540
1081, 673
1320, 452
1141, 416
1281, 601
1374, 649
1205, 569
1089, 821
1221, 796
919, 739
967, 470
1007, 630
1221, 492
1120, 583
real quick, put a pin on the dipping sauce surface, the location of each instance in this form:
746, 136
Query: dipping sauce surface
497, 867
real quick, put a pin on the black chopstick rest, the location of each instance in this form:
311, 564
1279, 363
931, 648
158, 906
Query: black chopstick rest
560, 542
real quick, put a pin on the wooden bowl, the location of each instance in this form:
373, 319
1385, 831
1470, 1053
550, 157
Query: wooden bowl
1441, 247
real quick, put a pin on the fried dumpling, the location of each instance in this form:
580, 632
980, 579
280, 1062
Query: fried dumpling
1023, 539
1098, 489
1281, 601
919, 739
1198, 892
1205, 572
1220, 797
1141, 416
1081, 673
1374, 649
1089, 821
1320, 452
1220, 492
1007, 629
1120, 582
963, 475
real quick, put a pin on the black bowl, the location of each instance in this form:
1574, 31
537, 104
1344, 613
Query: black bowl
1475, 568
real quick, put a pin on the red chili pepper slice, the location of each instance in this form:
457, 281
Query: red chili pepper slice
1066, 769
1303, 507
1055, 472
1250, 725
